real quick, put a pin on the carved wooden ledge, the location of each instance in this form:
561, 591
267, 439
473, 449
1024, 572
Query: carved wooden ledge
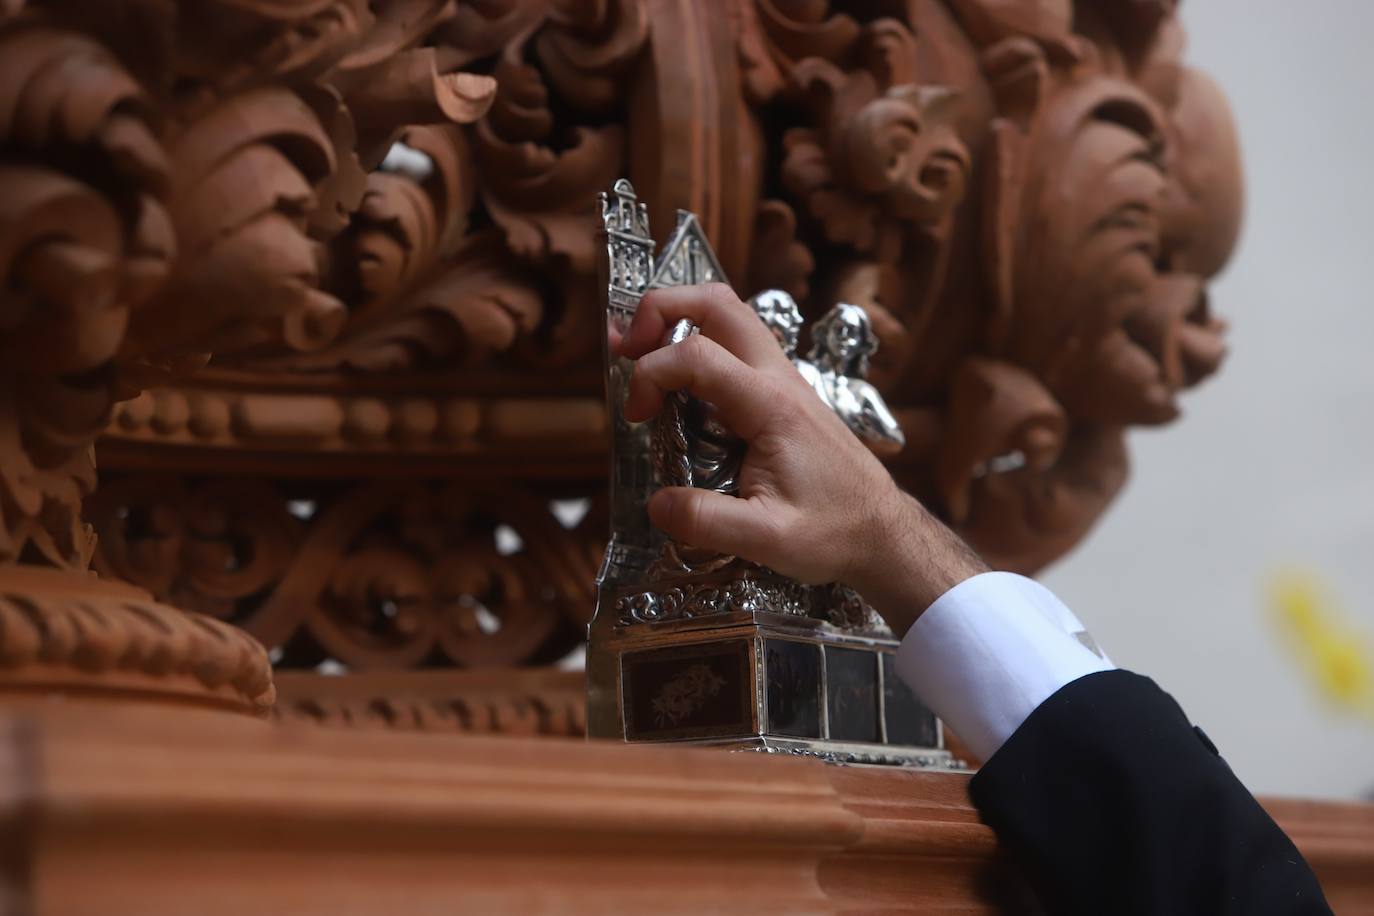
1338, 840
530, 702
338, 426
504, 701
219, 814
78, 634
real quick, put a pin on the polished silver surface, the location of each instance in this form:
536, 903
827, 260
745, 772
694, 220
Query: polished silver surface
627, 269
691, 645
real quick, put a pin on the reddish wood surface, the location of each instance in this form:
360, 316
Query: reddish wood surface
121, 809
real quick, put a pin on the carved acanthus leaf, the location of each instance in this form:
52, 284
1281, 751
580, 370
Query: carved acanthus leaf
537, 181
537, 195
780, 260
243, 193
988, 21
1023, 519
589, 51
475, 308
408, 89
997, 413
800, 29
83, 241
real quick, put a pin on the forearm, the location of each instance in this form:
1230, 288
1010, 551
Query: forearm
1094, 775
914, 560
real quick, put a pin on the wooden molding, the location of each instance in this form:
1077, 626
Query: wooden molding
130, 810
501, 701
62, 631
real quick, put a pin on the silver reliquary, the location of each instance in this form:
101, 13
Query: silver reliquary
697, 647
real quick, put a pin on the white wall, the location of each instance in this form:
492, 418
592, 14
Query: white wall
1273, 461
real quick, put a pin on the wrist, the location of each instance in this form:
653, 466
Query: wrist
916, 560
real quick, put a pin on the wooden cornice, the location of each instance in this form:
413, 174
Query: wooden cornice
120, 809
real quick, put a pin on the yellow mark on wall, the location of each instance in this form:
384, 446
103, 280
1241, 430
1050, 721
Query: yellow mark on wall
1327, 642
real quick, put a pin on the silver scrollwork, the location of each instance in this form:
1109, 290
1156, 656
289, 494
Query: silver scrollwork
744, 594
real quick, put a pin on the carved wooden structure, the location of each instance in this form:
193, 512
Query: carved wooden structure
1026, 197
318, 275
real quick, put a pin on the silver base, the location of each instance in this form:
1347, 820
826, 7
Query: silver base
844, 754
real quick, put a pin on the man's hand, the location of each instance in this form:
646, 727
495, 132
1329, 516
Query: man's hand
814, 503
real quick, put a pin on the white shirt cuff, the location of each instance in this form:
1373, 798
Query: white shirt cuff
989, 651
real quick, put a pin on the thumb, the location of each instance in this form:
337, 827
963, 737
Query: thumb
712, 520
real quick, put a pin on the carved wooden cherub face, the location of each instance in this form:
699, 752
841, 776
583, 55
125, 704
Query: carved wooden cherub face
1100, 238
1102, 304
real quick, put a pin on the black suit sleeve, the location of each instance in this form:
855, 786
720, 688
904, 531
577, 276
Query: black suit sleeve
1116, 804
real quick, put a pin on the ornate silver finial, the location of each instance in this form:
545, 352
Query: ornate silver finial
629, 247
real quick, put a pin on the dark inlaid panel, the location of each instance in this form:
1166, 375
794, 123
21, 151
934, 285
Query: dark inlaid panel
851, 683
793, 670
908, 721
697, 691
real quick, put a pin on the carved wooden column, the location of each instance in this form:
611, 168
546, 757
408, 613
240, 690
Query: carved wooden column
88, 241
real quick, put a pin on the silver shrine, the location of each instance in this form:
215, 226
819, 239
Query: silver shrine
692, 646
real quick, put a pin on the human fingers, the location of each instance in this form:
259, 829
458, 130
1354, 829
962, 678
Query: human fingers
715, 310
743, 396
715, 521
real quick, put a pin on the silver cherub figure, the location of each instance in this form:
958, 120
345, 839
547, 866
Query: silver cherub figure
837, 366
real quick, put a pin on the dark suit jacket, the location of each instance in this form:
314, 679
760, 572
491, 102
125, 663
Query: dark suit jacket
1116, 804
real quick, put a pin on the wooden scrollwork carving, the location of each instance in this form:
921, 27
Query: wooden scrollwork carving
172, 180
375, 217
391, 575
